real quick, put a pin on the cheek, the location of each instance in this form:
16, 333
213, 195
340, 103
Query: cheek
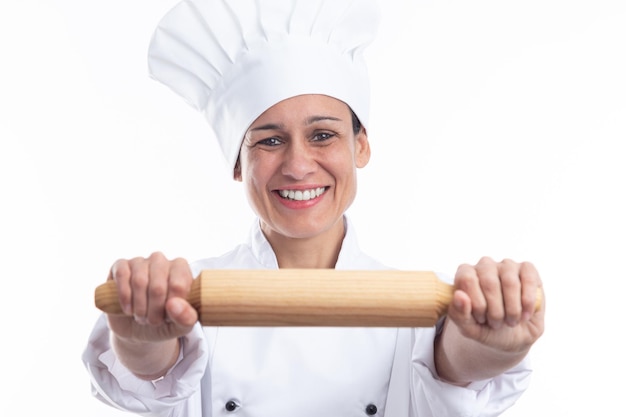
256, 173
248, 165
341, 162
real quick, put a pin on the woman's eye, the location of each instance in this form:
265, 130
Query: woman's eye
269, 142
319, 137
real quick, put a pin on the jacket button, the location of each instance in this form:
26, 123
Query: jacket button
371, 409
231, 406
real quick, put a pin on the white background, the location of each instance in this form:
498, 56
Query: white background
497, 129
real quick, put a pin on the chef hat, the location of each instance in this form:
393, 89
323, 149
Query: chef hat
232, 60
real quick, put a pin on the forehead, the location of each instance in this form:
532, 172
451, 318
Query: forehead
304, 108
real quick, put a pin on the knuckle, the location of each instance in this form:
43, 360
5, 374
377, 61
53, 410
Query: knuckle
490, 284
178, 287
181, 266
158, 261
508, 268
157, 256
510, 282
137, 260
528, 300
495, 315
479, 305
140, 279
120, 269
157, 290
466, 272
528, 270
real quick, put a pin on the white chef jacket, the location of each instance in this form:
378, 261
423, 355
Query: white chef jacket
297, 371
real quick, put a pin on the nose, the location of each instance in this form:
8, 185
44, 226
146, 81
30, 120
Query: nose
299, 160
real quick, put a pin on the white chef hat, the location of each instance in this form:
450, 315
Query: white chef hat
232, 60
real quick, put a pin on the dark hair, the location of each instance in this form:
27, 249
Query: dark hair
356, 123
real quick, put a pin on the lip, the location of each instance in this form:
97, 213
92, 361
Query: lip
300, 187
299, 204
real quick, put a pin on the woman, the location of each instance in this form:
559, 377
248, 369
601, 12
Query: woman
290, 112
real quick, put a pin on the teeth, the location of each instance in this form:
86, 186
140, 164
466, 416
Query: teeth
302, 195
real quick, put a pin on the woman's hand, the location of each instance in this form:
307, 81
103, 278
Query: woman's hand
492, 321
152, 292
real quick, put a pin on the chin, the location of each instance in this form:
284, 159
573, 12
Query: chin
298, 229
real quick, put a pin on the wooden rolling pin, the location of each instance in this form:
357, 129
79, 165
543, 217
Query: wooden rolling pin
311, 297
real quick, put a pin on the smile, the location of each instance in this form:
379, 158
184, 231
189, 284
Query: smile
302, 195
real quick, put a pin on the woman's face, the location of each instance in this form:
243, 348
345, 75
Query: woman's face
298, 164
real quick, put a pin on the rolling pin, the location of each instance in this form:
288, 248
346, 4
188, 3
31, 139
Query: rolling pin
311, 297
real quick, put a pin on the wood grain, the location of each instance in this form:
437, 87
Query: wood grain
311, 297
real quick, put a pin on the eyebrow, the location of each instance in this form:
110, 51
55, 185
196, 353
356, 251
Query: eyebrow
309, 121
314, 119
269, 126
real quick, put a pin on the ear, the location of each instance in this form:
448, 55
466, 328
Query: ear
362, 150
237, 170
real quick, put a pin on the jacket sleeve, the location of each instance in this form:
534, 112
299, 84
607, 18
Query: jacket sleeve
431, 396
175, 394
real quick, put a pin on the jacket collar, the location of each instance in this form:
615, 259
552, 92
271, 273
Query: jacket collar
263, 252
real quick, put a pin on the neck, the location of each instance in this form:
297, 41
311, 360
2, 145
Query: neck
320, 251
